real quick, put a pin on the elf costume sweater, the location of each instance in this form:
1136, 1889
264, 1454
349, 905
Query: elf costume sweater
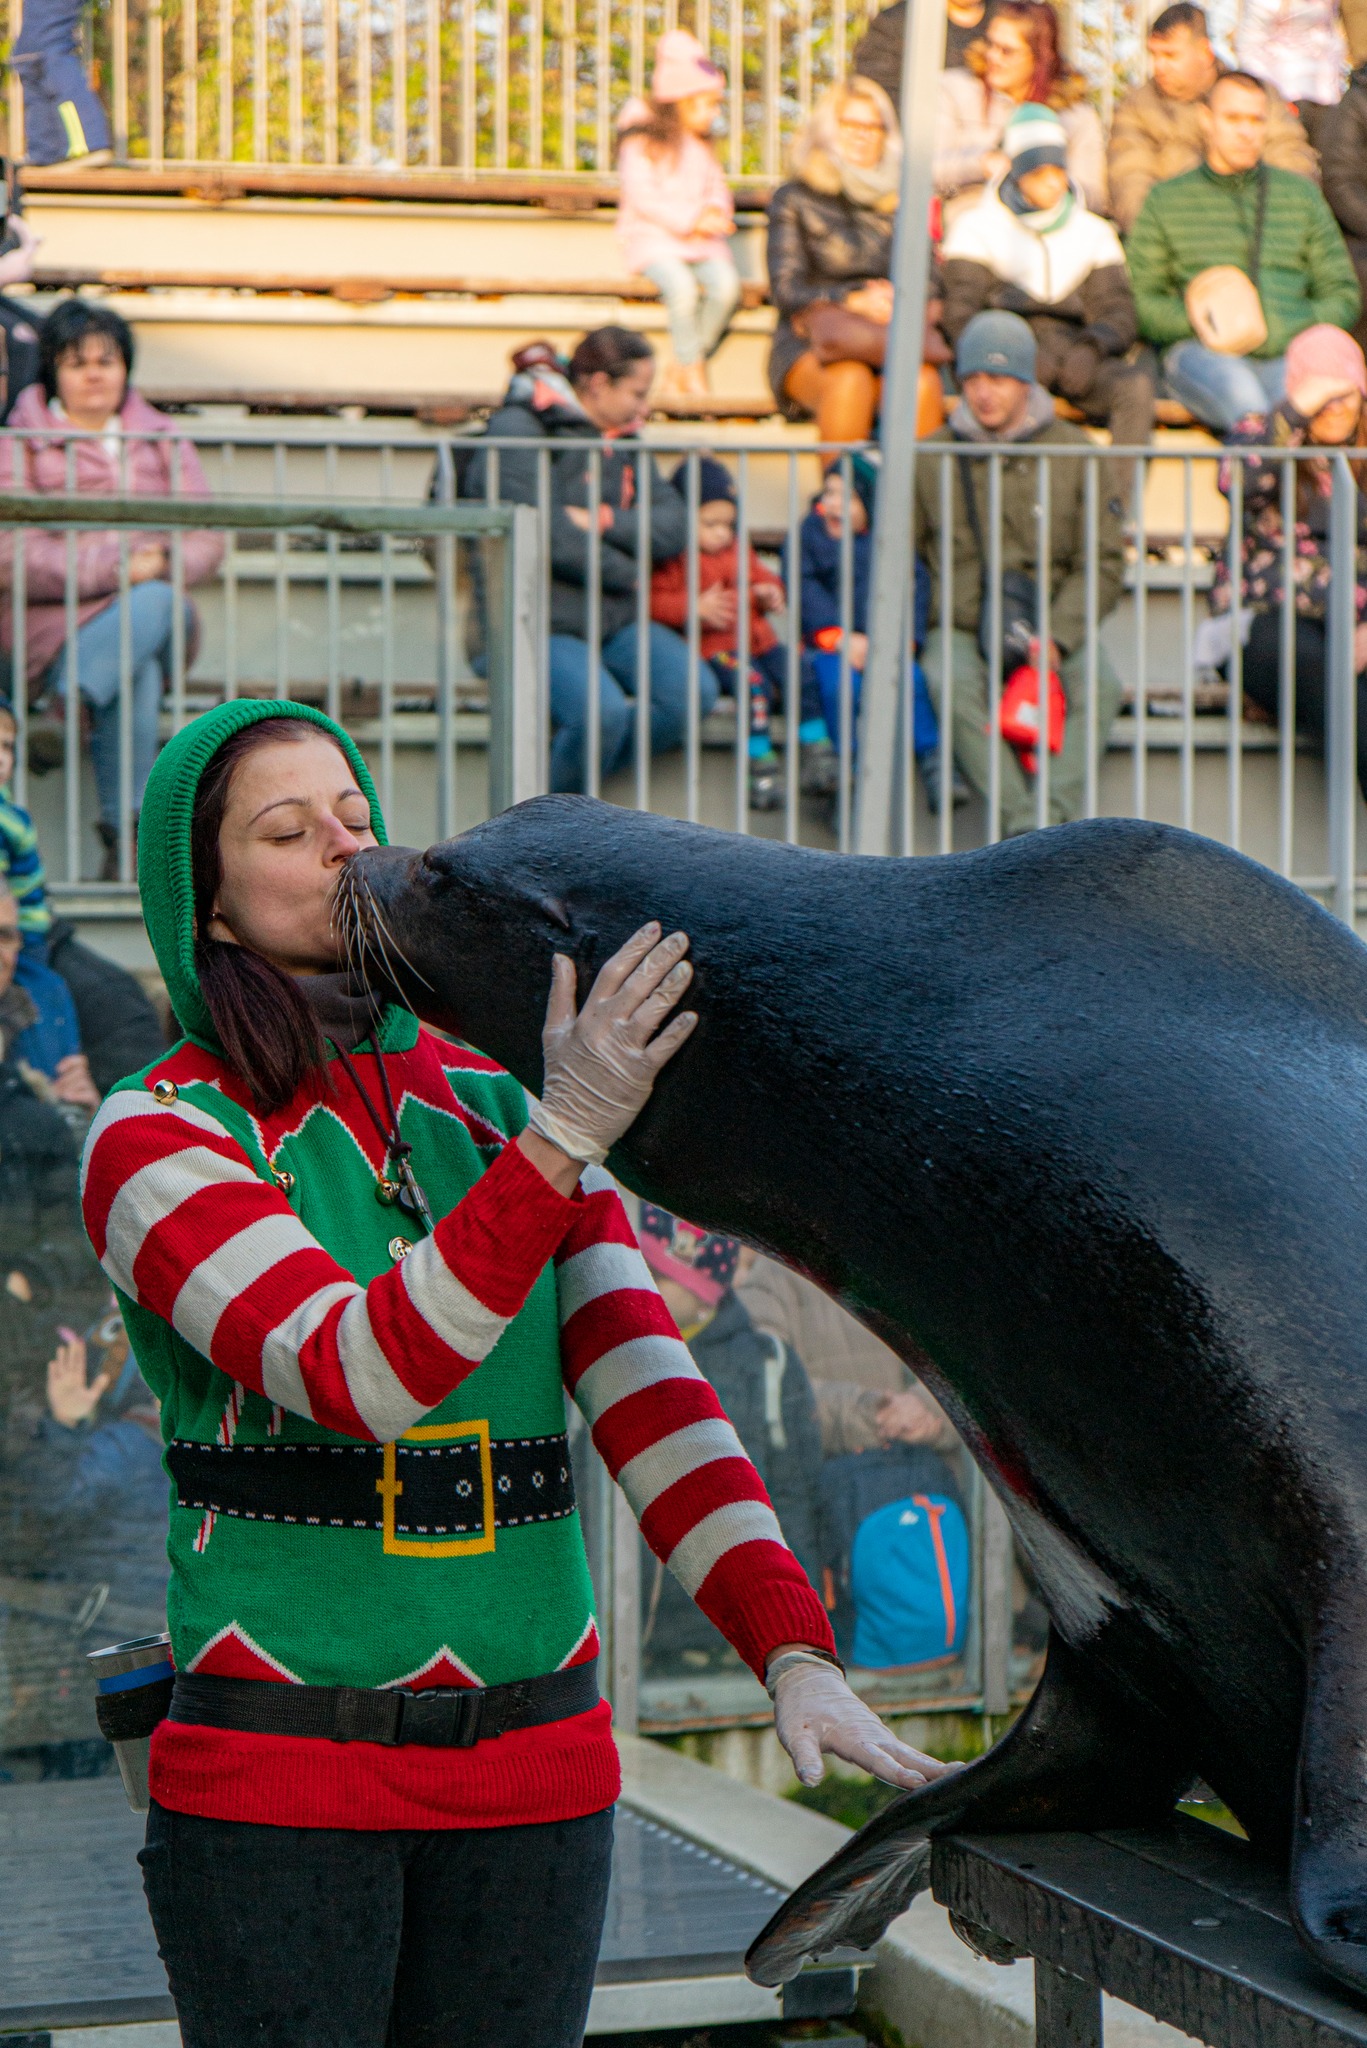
256, 1267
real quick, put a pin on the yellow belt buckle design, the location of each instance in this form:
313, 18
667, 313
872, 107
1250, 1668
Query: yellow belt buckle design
390, 1486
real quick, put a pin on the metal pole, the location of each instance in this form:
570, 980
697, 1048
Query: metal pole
1341, 750
890, 612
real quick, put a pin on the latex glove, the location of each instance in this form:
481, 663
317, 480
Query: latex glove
601, 1062
814, 1710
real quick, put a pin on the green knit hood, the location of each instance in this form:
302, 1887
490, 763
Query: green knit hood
164, 881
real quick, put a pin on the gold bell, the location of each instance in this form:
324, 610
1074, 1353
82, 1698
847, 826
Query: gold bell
165, 1092
283, 1179
399, 1248
386, 1191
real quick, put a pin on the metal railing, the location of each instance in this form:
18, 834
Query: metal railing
488, 90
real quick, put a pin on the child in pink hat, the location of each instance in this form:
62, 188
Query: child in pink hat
675, 213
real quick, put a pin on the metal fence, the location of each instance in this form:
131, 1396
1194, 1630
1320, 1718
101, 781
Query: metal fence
484, 89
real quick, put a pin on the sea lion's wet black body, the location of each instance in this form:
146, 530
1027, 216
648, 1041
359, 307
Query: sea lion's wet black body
1083, 1118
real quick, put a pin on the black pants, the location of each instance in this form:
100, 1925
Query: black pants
1262, 679
338, 1938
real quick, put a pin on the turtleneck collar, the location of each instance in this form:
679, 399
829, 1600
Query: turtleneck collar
344, 1008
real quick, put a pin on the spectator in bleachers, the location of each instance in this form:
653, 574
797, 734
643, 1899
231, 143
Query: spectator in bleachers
675, 213
823, 623
1325, 407
1298, 47
38, 1030
1018, 63
830, 254
65, 124
1343, 159
1031, 246
600, 397
878, 53
1156, 129
718, 607
20, 861
125, 446
1234, 251
1004, 406
119, 1028
19, 324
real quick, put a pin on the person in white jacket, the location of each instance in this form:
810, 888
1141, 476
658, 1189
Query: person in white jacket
1031, 246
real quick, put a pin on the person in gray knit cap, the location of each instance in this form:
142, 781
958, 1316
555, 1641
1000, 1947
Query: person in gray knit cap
1004, 405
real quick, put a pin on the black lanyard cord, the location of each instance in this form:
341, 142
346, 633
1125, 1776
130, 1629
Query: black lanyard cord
396, 1148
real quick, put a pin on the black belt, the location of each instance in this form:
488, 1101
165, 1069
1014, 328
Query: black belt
460, 1488
440, 1717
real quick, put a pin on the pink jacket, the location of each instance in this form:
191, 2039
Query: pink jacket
661, 198
155, 470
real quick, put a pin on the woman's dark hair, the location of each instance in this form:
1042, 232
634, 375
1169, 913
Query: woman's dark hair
72, 323
612, 350
1040, 23
265, 1024
659, 126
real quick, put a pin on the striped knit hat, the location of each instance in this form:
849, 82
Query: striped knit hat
164, 877
701, 1260
1034, 136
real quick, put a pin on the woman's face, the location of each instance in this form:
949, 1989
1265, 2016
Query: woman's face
1010, 59
294, 814
861, 134
617, 402
698, 113
91, 380
1336, 422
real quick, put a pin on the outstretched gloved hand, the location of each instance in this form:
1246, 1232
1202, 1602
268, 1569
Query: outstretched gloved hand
601, 1061
815, 1710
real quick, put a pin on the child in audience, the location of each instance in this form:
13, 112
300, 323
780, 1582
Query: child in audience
822, 613
719, 620
20, 862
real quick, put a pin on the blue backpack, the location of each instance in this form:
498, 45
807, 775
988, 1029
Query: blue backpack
903, 1562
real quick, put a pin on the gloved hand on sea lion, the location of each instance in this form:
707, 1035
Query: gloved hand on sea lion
601, 1061
816, 1710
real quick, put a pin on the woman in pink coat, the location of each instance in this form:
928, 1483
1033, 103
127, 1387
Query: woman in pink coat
125, 448
674, 210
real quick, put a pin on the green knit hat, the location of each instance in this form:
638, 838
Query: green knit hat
164, 881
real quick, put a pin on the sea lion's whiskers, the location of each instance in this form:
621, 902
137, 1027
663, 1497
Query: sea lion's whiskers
382, 932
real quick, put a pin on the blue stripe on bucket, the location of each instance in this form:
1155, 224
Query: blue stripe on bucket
146, 1674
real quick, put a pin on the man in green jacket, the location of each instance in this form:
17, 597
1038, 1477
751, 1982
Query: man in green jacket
1236, 209
1003, 406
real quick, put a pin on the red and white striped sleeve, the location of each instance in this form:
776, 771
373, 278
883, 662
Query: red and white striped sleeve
665, 1438
182, 1223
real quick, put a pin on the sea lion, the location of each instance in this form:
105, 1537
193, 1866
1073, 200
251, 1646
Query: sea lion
1082, 1118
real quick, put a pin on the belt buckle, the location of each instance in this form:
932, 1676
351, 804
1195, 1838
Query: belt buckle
442, 1716
389, 1486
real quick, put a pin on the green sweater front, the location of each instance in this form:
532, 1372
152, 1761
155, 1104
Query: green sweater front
1191, 223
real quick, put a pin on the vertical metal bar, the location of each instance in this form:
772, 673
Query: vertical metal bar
845, 697
260, 86
742, 644
792, 678
226, 137
945, 822
15, 101
804, 60
229, 586
444, 585
636, 46
1188, 650
1234, 753
469, 104
19, 676
593, 596
502, 58
189, 67
1092, 629
177, 595
334, 594
569, 86
398, 84
536, 74
1043, 626
432, 67
1286, 696
125, 715
72, 703
1141, 645
365, 113
295, 79
1341, 696
602, 82
773, 88
693, 725
387, 674
156, 87
641, 730
543, 666
840, 38
282, 590
994, 646
330, 95
735, 82
118, 22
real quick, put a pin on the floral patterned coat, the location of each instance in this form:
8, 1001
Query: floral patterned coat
1262, 550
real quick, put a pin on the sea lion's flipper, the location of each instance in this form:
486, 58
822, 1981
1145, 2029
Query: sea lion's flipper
1329, 1848
1078, 1757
